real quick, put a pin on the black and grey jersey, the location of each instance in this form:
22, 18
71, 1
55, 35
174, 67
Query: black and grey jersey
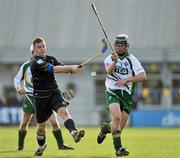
42, 74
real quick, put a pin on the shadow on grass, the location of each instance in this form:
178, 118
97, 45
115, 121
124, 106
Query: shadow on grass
9, 151
99, 157
14, 151
67, 156
77, 156
24, 157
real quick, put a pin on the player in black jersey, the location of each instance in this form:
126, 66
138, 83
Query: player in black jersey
47, 95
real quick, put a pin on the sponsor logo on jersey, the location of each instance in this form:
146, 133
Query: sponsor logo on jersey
121, 70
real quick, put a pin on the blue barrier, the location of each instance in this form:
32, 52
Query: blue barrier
10, 115
155, 118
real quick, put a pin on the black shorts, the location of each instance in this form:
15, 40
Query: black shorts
45, 105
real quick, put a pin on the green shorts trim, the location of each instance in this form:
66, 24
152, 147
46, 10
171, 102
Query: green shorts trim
28, 104
121, 97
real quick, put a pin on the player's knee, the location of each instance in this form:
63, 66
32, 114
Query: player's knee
117, 119
63, 112
54, 124
23, 125
41, 129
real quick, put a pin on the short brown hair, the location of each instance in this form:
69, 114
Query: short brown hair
38, 40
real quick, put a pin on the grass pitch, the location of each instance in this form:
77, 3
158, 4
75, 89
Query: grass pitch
141, 142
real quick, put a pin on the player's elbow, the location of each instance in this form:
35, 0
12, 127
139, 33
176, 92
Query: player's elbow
144, 76
16, 82
109, 71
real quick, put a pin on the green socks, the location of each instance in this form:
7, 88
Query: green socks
106, 128
59, 139
117, 139
21, 137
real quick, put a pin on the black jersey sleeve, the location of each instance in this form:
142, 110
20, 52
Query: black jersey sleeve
56, 62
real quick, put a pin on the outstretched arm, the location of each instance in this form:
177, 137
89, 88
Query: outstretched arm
66, 69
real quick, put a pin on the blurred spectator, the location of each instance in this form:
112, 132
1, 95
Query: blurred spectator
2, 98
135, 101
11, 96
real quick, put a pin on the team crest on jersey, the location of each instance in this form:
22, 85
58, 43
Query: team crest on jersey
40, 61
126, 64
110, 97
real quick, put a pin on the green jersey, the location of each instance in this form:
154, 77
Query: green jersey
126, 67
24, 74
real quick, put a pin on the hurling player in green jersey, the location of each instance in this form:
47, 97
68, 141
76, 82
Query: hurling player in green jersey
123, 71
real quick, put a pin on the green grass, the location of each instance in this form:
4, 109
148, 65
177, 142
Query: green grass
141, 142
